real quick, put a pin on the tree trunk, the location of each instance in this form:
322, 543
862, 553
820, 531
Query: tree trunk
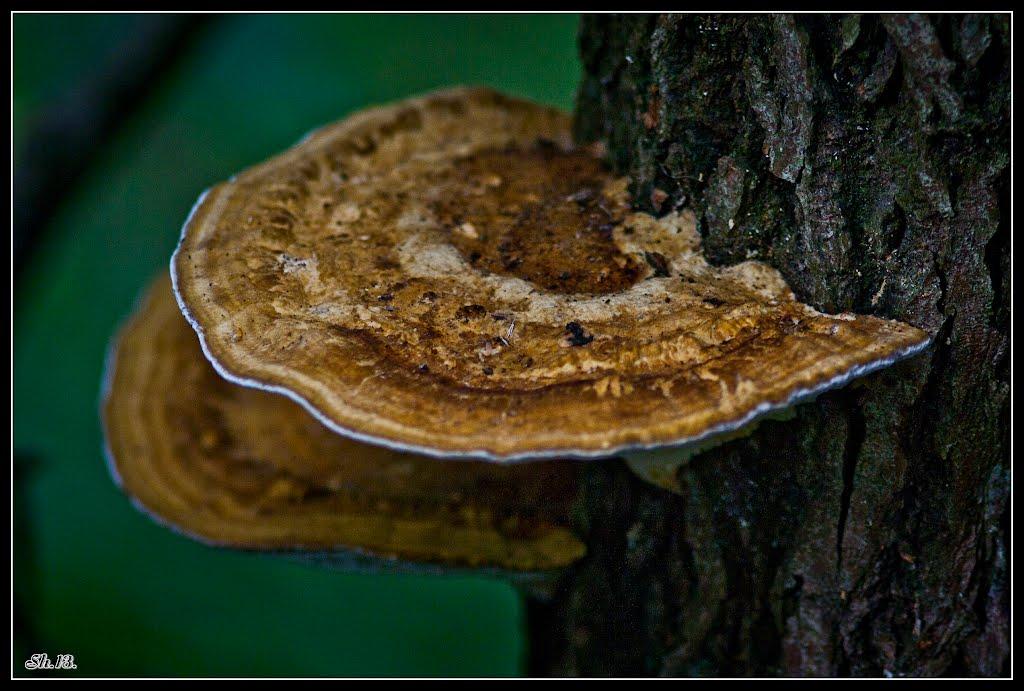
867, 158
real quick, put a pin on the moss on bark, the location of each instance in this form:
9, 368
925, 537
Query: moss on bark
867, 158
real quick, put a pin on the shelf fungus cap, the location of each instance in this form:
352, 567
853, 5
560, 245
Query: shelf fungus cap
450, 275
237, 467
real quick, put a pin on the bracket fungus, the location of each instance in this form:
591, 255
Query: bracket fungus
233, 466
450, 276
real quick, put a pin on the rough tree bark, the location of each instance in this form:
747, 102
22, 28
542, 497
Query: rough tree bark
867, 158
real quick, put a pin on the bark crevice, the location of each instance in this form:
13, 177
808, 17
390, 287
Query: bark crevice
854, 441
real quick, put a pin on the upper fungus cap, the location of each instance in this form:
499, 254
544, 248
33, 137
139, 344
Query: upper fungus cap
237, 467
450, 275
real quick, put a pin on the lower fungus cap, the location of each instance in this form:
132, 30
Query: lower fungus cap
243, 468
449, 275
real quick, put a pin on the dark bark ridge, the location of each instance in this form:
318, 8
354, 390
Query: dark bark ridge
867, 158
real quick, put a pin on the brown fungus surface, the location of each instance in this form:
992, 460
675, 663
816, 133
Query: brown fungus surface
234, 466
449, 274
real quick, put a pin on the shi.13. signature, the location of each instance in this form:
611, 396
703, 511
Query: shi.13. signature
43, 661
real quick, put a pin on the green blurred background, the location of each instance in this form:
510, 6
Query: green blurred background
92, 576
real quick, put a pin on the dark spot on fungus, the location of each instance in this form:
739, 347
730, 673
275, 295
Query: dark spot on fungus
363, 146
467, 312
384, 262
576, 335
405, 120
658, 262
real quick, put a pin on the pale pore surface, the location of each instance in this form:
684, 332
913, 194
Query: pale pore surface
448, 274
239, 467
